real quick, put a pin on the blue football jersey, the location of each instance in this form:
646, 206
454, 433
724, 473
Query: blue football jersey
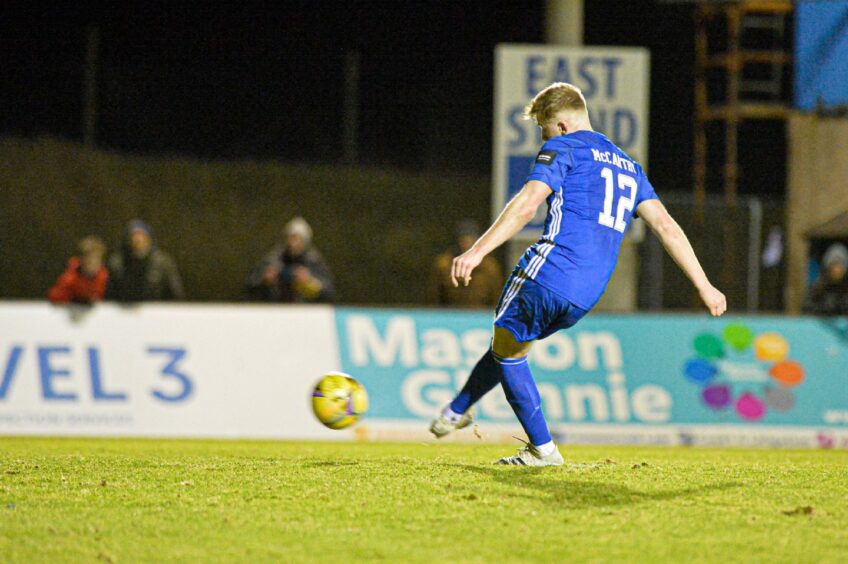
595, 190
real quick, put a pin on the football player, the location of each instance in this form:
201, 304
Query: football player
593, 191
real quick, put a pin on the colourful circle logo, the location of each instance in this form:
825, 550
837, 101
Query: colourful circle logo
750, 374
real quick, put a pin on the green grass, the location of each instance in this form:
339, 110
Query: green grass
145, 500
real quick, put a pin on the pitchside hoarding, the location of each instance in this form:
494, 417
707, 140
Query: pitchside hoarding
236, 371
641, 379
614, 81
163, 370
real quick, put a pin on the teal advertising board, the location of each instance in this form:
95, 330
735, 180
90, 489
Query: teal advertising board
631, 371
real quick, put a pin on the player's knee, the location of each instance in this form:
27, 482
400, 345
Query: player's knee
505, 345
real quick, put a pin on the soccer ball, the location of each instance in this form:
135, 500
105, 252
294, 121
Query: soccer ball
338, 400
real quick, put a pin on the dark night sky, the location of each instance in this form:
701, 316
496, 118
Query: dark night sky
264, 80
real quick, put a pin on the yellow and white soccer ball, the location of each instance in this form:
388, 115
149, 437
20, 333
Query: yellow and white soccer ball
339, 400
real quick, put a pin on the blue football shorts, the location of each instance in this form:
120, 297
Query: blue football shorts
530, 311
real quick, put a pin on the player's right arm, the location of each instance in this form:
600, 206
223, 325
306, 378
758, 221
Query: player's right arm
677, 245
517, 213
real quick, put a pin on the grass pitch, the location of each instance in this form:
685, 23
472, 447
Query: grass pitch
145, 500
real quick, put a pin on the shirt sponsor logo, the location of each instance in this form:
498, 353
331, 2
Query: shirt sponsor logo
546, 157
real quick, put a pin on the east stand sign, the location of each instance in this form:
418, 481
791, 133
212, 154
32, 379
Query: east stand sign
615, 82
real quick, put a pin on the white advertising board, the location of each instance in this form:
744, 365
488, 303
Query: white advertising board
615, 82
164, 370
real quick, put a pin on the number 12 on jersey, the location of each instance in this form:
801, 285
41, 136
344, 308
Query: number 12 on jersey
625, 204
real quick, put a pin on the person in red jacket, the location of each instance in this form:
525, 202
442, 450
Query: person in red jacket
84, 280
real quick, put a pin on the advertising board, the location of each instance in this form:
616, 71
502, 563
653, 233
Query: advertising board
659, 379
163, 370
248, 372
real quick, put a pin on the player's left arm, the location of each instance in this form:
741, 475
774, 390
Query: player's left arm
677, 245
517, 213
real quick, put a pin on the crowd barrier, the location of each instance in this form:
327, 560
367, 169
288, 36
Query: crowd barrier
247, 371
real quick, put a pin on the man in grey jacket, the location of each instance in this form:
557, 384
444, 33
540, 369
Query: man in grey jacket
142, 272
293, 271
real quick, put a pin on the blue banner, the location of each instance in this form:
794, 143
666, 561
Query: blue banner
616, 370
821, 54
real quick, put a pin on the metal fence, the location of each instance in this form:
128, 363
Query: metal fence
740, 247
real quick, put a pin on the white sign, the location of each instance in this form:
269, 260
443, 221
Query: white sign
615, 82
164, 370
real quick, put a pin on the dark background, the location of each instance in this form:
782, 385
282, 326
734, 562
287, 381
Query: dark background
265, 80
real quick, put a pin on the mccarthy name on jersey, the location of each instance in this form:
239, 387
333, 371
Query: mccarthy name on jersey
595, 189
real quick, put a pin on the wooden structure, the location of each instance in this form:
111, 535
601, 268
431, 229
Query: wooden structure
744, 97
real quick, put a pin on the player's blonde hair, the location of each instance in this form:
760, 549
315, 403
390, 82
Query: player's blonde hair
553, 99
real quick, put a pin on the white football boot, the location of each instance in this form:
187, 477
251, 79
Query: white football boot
528, 455
442, 426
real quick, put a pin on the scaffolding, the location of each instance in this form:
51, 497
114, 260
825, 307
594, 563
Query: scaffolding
754, 34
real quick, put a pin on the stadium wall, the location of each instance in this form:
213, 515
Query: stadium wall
817, 205
219, 218
248, 371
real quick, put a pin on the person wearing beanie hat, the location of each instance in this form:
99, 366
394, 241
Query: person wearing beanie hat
298, 227
141, 271
836, 257
488, 279
829, 294
294, 271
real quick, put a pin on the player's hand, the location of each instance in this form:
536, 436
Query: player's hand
463, 265
714, 300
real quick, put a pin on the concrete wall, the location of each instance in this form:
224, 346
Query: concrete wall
818, 190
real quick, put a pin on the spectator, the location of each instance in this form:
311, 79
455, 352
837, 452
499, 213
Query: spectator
141, 271
84, 280
829, 294
294, 270
485, 287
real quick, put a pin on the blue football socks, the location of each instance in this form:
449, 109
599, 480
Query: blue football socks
523, 395
520, 389
482, 379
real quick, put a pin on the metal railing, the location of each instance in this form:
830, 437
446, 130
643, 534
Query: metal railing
730, 241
